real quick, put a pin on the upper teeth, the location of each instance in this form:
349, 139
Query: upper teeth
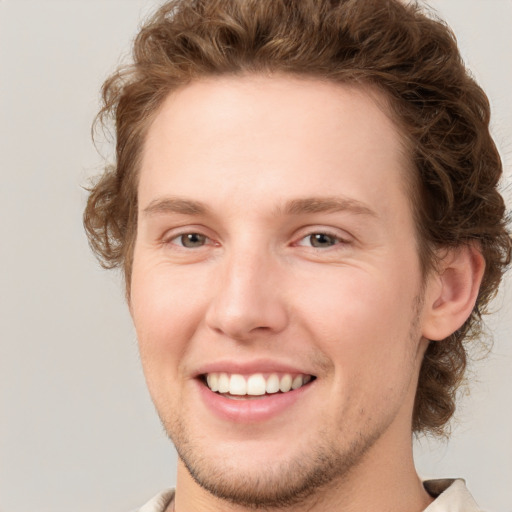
256, 384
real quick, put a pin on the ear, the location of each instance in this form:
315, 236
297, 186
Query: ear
452, 291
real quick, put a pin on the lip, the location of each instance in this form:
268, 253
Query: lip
247, 411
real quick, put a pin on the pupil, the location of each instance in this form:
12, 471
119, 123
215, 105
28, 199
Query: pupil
321, 240
192, 240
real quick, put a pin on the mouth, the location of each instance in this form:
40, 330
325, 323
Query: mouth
258, 385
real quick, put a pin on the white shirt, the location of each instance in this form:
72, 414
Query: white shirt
451, 496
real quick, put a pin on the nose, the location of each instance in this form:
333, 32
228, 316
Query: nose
248, 299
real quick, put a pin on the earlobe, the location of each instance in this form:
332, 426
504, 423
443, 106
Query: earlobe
452, 292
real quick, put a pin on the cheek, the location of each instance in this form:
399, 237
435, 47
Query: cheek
166, 312
165, 316
365, 328
353, 297
363, 321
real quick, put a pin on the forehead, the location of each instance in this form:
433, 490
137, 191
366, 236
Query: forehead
270, 137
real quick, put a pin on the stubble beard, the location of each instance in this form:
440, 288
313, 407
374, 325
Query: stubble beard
279, 485
323, 464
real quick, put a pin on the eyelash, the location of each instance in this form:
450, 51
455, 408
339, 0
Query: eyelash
336, 240
171, 240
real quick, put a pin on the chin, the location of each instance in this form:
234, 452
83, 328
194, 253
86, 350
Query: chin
268, 478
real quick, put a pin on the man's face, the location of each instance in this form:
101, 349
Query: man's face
276, 243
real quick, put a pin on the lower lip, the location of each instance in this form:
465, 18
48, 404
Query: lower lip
251, 410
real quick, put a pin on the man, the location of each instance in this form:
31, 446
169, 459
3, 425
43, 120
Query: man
305, 205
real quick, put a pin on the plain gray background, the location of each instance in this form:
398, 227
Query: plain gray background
77, 429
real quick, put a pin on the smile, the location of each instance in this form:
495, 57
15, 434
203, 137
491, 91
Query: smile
256, 385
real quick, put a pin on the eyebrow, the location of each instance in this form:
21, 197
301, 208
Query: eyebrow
327, 205
299, 206
175, 205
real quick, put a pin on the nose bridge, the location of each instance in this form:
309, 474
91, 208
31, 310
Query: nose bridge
247, 298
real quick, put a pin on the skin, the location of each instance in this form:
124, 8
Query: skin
237, 161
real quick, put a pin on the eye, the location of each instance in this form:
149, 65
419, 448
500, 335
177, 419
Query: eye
320, 240
189, 240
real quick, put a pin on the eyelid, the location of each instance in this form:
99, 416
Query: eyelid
179, 238
342, 238
171, 234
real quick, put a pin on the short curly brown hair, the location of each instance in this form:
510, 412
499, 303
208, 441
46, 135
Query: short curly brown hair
404, 51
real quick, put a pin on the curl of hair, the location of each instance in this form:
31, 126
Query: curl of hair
402, 50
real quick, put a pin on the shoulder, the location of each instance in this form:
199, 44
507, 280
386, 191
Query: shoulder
158, 503
451, 495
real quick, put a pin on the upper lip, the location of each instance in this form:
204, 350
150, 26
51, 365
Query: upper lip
250, 367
